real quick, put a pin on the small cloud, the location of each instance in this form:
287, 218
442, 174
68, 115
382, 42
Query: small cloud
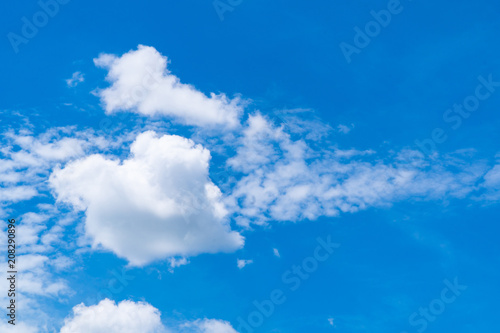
158, 92
332, 322
61, 262
76, 78
177, 263
276, 253
242, 263
344, 129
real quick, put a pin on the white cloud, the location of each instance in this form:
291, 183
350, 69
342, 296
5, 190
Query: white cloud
159, 203
20, 327
209, 326
286, 179
18, 193
26, 159
133, 317
344, 129
36, 274
109, 317
75, 79
276, 253
141, 83
303, 122
31, 261
241, 263
177, 262
37, 265
492, 178
491, 185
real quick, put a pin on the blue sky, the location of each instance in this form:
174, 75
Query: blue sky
173, 164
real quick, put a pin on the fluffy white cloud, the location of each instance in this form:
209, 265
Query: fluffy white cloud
141, 82
108, 317
158, 203
132, 317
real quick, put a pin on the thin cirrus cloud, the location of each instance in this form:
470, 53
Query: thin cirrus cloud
161, 193
141, 83
75, 79
492, 178
241, 263
287, 179
27, 159
207, 326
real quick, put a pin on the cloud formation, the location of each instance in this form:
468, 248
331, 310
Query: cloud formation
141, 83
241, 263
207, 326
75, 79
132, 317
283, 178
27, 159
125, 317
158, 203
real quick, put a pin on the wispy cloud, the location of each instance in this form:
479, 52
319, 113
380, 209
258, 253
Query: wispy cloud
241, 263
75, 79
